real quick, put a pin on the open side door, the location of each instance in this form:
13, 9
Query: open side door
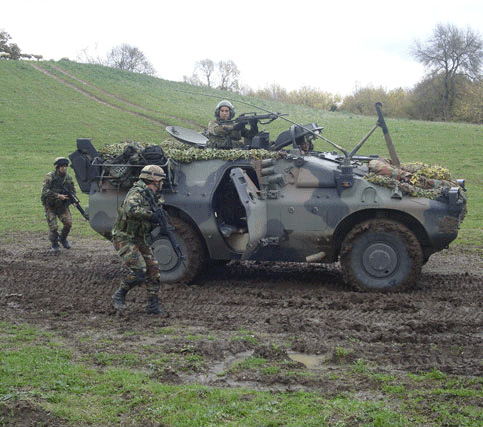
255, 208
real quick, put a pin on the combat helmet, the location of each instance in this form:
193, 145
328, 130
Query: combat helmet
152, 173
61, 161
225, 103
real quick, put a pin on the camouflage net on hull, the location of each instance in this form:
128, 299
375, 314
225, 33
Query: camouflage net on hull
413, 179
184, 153
122, 162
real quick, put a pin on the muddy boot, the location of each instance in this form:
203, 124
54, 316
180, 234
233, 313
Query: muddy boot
54, 238
63, 239
55, 249
153, 306
119, 298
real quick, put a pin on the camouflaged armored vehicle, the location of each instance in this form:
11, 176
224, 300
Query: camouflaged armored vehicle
381, 220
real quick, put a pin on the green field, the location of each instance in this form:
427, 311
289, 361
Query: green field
43, 111
41, 116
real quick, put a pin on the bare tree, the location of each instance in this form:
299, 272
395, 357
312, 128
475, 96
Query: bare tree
229, 75
203, 74
89, 55
206, 68
224, 75
129, 58
451, 52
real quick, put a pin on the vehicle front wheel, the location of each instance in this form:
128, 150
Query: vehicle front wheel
381, 255
171, 267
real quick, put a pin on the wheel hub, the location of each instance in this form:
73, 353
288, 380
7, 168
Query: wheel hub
379, 260
164, 254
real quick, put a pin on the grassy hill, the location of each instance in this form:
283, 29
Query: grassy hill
46, 106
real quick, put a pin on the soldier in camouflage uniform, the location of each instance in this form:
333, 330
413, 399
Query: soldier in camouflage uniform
56, 202
224, 133
134, 223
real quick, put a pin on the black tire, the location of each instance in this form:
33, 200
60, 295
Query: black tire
171, 267
381, 255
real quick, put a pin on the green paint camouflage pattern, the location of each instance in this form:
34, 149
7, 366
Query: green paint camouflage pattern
286, 206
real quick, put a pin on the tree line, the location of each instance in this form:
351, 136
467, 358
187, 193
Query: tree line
11, 50
451, 90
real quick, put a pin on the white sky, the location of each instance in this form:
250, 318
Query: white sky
333, 46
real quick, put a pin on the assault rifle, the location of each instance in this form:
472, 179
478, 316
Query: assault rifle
74, 200
161, 217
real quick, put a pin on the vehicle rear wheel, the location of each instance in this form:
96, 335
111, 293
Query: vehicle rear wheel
172, 267
381, 255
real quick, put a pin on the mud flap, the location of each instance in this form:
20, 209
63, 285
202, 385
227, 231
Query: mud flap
255, 208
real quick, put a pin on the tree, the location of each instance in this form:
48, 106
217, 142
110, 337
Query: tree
206, 68
229, 75
129, 58
8, 50
224, 75
470, 108
450, 52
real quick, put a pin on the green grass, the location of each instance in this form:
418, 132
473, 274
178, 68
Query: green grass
38, 367
41, 118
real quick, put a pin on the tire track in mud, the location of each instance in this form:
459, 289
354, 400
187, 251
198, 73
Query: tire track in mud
438, 325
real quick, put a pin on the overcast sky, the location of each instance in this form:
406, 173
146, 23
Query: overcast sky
332, 46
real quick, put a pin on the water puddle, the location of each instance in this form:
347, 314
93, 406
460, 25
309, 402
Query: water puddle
311, 361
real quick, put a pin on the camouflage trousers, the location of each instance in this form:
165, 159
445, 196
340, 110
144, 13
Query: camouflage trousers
64, 216
139, 258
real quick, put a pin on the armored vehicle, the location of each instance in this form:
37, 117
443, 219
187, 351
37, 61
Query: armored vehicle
274, 202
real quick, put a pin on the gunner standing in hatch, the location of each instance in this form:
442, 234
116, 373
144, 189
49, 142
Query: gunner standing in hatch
223, 132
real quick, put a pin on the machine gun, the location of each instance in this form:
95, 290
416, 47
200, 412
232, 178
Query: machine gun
161, 217
254, 118
74, 200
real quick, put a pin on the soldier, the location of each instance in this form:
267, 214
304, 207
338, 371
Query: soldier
134, 222
305, 145
224, 133
56, 202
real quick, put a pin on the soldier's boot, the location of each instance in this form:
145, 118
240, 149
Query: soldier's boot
63, 239
133, 279
153, 306
119, 298
54, 238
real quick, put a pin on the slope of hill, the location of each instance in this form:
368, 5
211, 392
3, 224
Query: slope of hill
46, 106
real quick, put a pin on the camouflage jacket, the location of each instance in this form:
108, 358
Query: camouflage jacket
133, 216
222, 135
54, 185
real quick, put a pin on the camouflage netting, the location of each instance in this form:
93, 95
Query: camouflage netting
414, 179
122, 162
184, 153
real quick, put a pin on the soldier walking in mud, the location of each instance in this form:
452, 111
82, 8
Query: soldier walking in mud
136, 219
56, 202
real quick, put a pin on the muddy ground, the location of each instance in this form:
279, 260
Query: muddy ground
300, 317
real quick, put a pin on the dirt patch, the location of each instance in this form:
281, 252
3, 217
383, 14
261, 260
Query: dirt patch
299, 318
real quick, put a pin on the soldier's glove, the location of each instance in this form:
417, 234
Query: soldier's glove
156, 217
239, 126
